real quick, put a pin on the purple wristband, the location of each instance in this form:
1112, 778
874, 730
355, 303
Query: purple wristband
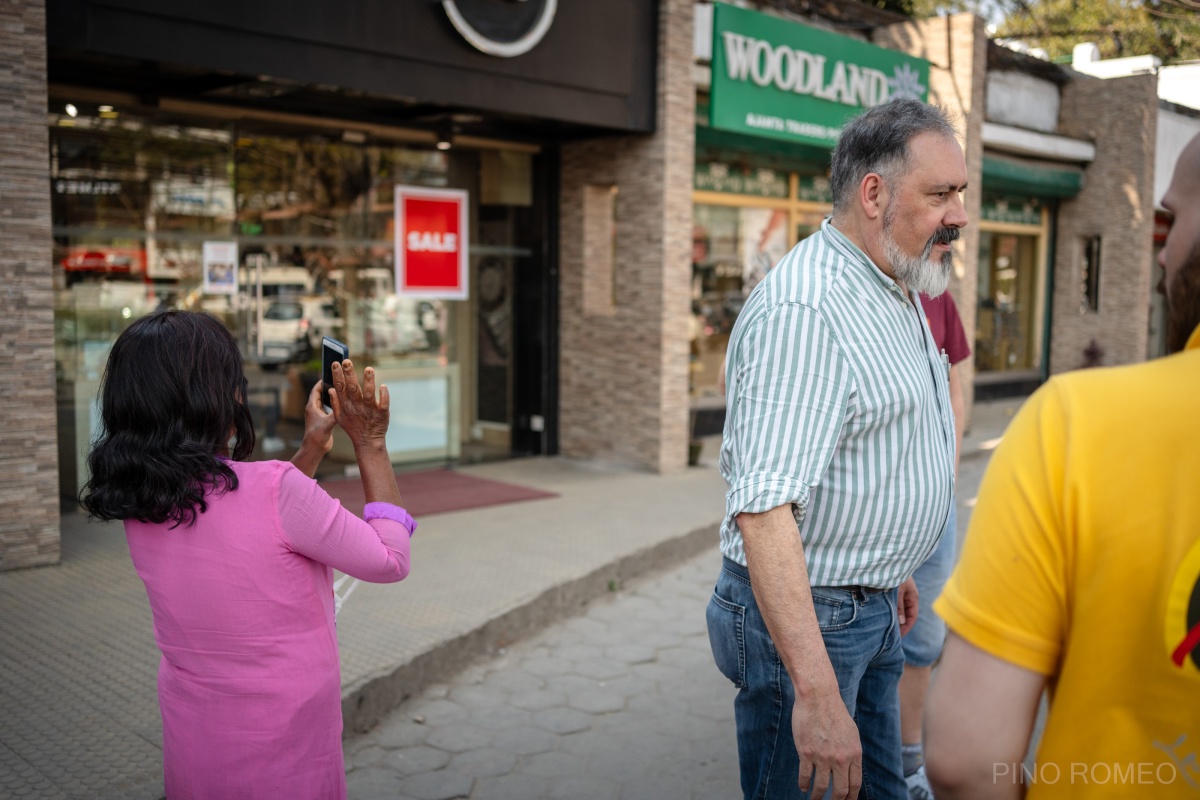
389, 511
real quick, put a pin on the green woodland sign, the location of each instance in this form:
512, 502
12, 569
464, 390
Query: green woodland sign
1008, 208
780, 79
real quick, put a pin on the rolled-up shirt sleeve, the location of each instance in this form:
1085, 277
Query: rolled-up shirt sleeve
790, 390
317, 526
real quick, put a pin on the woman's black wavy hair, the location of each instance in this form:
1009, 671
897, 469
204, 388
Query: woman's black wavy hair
173, 392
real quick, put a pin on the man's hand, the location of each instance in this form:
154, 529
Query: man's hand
906, 605
828, 744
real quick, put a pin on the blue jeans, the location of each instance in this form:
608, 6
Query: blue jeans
862, 636
923, 642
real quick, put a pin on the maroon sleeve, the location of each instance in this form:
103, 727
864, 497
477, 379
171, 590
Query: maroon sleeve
955, 343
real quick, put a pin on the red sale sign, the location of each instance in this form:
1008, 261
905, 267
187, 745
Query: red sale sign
431, 242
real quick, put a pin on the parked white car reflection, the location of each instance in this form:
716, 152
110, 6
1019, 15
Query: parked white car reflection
392, 324
292, 329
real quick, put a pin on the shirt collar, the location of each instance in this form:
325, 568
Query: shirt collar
852, 251
1193, 342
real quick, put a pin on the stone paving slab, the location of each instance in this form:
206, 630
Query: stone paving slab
484, 578
78, 710
621, 702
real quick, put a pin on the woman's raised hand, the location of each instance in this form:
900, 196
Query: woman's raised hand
362, 414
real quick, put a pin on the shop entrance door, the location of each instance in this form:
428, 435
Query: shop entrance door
511, 406
1007, 340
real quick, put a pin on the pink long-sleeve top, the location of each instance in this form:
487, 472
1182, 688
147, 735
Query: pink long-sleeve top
249, 682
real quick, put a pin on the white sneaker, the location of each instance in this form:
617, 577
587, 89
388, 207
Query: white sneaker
918, 785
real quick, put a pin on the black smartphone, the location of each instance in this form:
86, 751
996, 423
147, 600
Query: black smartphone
331, 350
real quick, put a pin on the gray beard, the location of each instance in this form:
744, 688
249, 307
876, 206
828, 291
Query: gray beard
921, 274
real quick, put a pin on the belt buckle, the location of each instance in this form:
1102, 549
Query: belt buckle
866, 592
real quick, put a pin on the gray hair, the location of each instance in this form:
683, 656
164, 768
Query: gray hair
877, 141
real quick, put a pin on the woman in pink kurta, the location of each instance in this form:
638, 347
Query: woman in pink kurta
241, 586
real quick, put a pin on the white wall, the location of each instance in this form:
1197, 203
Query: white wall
1023, 101
1180, 84
1174, 132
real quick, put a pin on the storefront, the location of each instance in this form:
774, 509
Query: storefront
1065, 250
778, 95
1013, 320
745, 220
187, 178
287, 235
1010, 316
1050, 274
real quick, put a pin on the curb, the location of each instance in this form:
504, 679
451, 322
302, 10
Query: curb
365, 704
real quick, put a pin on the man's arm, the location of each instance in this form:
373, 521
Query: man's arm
786, 407
978, 722
826, 738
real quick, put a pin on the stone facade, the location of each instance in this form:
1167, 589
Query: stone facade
623, 370
956, 47
29, 504
1120, 116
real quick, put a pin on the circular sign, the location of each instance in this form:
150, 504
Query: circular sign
503, 28
1183, 614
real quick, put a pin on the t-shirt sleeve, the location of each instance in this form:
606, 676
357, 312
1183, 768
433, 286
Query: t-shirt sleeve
790, 395
956, 346
1008, 595
317, 526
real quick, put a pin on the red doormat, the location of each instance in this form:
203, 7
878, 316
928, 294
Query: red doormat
437, 491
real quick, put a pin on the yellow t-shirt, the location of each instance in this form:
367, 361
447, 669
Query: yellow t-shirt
1082, 563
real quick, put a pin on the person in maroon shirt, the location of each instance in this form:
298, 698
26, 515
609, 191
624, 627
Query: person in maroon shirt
923, 643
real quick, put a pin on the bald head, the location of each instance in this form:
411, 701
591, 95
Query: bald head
1180, 255
1190, 158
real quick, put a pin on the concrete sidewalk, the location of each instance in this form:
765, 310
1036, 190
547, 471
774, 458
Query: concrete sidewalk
78, 708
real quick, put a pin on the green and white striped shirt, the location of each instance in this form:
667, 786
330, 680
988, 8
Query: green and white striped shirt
839, 404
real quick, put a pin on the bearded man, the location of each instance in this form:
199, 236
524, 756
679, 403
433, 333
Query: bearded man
1081, 572
839, 453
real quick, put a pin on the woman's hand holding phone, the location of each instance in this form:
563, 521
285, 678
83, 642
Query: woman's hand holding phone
318, 434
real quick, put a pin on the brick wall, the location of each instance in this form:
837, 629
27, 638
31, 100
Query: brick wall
956, 47
623, 387
1120, 116
29, 522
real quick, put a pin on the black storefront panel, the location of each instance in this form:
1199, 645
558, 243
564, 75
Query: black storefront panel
595, 65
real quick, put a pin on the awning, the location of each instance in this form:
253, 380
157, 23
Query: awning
712, 144
1013, 175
